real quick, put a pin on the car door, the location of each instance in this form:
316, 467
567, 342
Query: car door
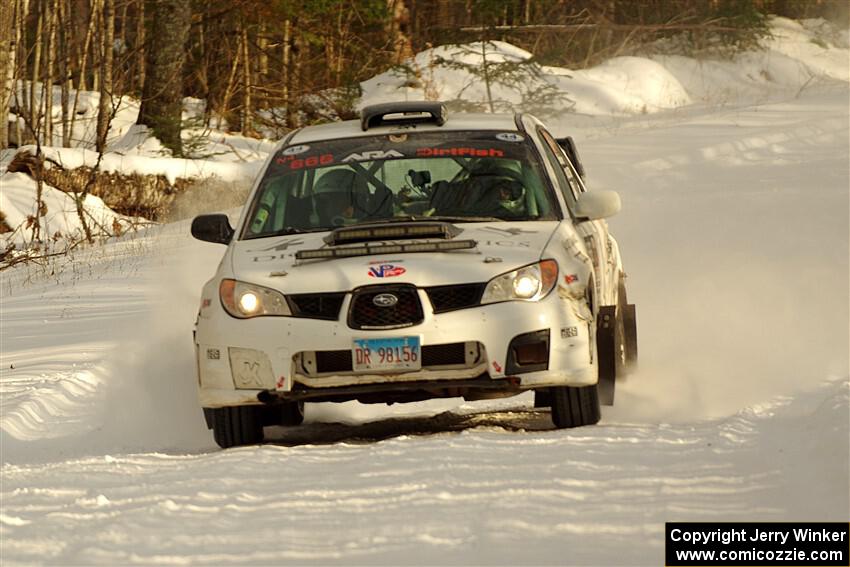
594, 232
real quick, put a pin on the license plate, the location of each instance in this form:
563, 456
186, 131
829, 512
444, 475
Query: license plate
386, 355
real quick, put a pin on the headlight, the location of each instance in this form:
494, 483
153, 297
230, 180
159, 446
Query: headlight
531, 283
244, 300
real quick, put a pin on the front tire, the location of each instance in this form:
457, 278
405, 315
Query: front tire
237, 425
575, 406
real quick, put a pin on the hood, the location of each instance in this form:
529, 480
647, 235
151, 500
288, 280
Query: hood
502, 247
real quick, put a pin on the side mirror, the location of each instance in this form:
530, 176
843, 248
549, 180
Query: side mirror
596, 205
212, 228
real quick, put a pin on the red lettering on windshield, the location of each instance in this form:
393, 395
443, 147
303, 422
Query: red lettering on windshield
459, 152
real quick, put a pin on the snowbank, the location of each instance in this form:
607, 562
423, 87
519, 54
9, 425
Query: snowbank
456, 74
795, 56
60, 219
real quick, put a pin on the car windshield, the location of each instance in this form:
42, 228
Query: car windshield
460, 176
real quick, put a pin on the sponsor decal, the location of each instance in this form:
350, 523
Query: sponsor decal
386, 271
497, 367
507, 243
206, 303
459, 152
300, 163
571, 278
295, 150
213, 354
590, 243
509, 231
510, 137
280, 246
567, 332
280, 382
372, 155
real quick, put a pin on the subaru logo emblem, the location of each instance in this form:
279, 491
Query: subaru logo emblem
385, 300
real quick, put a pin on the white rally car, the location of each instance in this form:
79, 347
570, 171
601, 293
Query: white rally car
413, 255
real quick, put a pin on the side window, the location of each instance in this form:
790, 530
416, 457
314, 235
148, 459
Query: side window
562, 167
575, 180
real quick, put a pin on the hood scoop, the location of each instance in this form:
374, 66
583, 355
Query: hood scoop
395, 231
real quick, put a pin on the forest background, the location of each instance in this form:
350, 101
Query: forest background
271, 66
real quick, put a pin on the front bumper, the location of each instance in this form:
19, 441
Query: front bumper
267, 358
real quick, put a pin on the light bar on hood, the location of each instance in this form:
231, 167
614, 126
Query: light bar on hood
383, 249
394, 232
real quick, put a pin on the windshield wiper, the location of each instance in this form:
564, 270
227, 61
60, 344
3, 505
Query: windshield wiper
283, 232
451, 218
438, 218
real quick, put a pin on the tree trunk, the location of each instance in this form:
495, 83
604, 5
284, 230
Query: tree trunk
65, 68
287, 71
398, 30
8, 50
246, 83
81, 83
162, 96
50, 64
20, 93
35, 105
140, 46
107, 38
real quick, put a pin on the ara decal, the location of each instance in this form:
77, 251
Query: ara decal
497, 367
372, 155
386, 271
571, 278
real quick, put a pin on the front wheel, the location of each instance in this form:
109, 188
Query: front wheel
237, 425
284, 413
575, 406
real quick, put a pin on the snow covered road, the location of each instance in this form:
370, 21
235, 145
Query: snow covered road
735, 237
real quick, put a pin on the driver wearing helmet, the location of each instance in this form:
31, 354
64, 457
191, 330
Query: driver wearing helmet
496, 190
333, 197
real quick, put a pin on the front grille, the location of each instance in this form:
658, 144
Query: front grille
339, 361
316, 305
365, 314
451, 297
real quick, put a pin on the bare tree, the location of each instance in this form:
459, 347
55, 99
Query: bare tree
106, 49
8, 52
162, 96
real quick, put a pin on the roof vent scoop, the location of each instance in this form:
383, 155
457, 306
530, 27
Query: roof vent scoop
403, 113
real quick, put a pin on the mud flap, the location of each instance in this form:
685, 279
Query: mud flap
630, 331
607, 354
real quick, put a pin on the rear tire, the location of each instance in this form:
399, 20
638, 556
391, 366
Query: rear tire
237, 425
575, 406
